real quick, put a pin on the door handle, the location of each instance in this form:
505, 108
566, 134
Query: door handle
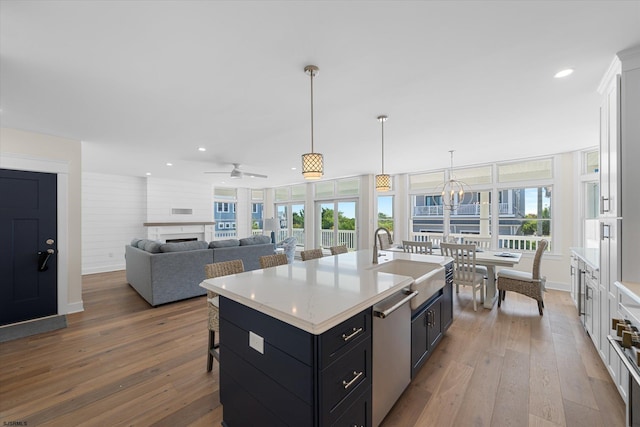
43, 258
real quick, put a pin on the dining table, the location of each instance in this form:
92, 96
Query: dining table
491, 260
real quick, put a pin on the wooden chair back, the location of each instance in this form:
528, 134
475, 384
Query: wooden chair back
464, 262
417, 247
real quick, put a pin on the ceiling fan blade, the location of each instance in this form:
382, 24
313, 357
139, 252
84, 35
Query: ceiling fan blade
254, 175
226, 173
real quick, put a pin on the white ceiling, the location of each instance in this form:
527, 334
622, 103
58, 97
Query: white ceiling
143, 83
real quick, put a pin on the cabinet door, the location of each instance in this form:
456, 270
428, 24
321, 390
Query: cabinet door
447, 307
574, 279
594, 293
434, 324
609, 150
419, 345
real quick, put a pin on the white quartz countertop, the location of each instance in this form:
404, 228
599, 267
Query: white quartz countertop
319, 294
589, 255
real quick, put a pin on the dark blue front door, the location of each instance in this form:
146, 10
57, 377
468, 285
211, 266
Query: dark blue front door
28, 241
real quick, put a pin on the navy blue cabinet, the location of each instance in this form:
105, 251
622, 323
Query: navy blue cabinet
430, 321
290, 377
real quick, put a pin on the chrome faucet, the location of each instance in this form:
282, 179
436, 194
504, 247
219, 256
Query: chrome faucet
375, 242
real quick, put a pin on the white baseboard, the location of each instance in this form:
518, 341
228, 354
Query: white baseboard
74, 307
556, 286
104, 269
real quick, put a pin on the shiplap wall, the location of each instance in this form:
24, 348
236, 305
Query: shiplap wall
113, 211
163, 195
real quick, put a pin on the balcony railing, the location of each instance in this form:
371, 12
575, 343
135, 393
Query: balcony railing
468, 209
348, 238
506, 242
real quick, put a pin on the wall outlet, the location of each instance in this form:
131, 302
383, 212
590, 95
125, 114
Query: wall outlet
256, 342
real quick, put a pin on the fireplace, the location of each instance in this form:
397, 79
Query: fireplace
184, 239
180, 231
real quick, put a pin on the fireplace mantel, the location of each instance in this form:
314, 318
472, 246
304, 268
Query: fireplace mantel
201, 230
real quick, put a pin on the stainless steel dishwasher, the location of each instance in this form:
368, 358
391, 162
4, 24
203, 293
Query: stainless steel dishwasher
391, 351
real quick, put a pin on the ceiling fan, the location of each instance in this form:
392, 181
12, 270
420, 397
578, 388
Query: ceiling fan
236, 173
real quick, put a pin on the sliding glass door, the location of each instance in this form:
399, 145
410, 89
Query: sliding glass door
337, 224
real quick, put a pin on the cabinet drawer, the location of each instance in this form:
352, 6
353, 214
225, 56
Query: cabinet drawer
284, 369
287, 338
343, 337
239, 378
343, 381
358, 414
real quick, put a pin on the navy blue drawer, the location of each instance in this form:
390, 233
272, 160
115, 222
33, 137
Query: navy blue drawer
343, 337
358, 414
270, 396
344, 381
291, 340
281, 367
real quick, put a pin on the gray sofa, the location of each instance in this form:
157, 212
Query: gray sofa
168, 272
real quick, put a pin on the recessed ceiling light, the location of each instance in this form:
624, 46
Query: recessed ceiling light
202, 149
563, 73
148, 173
293, 169
169, 164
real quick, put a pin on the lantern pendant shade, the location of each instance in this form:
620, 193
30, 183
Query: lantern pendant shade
383, 182
312, 165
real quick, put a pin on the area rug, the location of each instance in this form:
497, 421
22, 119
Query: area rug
32, 327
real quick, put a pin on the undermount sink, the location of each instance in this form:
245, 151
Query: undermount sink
428, 277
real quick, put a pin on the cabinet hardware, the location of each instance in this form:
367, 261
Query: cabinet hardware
604, 231
353, 380
355, 332
602, 204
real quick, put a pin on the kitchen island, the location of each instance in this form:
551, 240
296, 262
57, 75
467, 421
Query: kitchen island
296, 340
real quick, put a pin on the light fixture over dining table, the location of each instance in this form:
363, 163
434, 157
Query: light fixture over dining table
452, 191
312, 163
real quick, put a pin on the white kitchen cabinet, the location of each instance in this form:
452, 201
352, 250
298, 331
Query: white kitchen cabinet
619, 202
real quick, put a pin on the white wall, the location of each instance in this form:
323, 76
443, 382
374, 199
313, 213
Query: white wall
44, 153
113, 211
163, 195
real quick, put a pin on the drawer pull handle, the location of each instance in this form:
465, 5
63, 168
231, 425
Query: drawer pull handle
353, 380
355, 332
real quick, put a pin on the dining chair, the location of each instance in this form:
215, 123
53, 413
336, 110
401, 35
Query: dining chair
465, 271
217, 269
335, 250
525, 283
311, 254
412, 247
274, 260
480, 242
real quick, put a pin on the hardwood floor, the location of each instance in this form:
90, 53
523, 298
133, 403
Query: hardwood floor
121, 362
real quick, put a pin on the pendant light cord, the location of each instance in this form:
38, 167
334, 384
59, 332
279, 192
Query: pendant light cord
311, 74
382, 121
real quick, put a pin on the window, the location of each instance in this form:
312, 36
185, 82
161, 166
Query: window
291, 217
525, 216
385, 212
338, 223
224, 213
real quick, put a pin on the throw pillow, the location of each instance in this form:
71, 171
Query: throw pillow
224, 243
183, 246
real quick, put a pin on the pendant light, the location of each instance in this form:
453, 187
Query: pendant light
312, 163
452, 192
383, 181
